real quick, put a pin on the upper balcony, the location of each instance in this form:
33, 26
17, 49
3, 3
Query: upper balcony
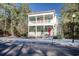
41, 20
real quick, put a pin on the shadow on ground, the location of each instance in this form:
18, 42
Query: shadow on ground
23, 49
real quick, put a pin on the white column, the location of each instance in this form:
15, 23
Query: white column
44, 30
43, 25
44, 19
28, 26
36, 25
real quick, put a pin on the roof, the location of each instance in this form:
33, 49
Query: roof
41, 12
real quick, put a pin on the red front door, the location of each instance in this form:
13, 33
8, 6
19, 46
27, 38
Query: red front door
49, 31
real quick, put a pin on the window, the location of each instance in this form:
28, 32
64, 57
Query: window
48, 18
32, 29
39, 19
32, 19
46, 28
39, 28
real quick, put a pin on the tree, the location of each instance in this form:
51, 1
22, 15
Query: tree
9, 9
14, 17
67, 12
22, 19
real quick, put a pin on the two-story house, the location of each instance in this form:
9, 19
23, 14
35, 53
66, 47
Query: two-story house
39, 24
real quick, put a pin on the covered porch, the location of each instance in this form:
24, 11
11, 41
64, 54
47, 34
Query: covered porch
41, 31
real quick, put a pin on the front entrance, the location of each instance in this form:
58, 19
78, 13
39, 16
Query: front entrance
45, 31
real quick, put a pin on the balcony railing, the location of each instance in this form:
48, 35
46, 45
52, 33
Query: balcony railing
41, 21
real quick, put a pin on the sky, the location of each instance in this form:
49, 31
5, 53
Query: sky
46, 6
